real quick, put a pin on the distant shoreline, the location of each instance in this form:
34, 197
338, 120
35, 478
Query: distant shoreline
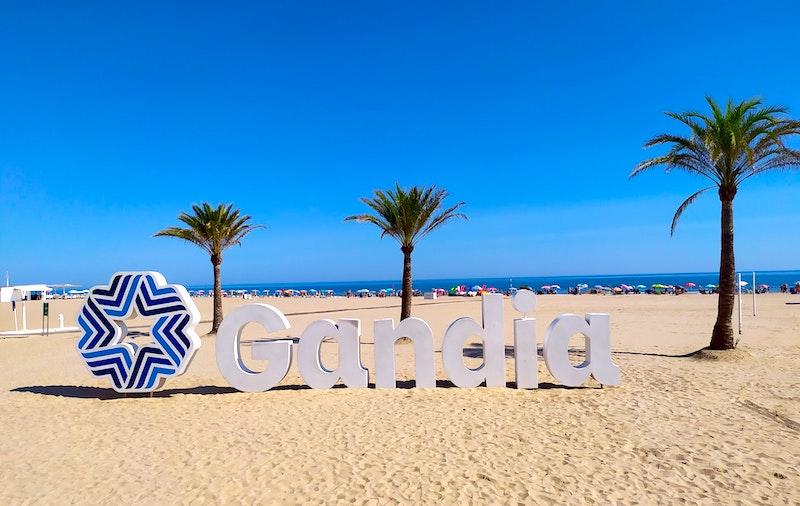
772, 278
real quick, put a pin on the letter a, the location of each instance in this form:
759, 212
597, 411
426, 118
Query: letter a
347, 334
595, 327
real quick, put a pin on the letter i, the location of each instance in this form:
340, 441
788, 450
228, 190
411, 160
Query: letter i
525, 358
526, 361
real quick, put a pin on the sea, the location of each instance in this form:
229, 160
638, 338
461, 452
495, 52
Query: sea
771, 278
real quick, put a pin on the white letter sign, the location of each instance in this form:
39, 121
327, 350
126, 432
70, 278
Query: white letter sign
595, 328
143, 369
278, 353
347, 334
493, 369
386, 335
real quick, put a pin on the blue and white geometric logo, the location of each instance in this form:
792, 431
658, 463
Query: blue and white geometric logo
135, 368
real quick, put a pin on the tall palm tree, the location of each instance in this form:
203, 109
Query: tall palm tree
214, 229
726, 147
408, 216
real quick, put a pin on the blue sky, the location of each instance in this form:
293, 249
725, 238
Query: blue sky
114, 117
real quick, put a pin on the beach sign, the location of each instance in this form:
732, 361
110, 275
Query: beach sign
133, 368
351, 371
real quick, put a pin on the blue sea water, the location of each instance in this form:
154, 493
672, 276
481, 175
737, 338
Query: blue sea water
772, 278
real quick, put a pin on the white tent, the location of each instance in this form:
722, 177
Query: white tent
22, 293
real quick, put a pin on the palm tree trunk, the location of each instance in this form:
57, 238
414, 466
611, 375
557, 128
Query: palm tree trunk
405, 310
722, 337
216, 262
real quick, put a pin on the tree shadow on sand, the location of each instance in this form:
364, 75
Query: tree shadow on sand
475, 350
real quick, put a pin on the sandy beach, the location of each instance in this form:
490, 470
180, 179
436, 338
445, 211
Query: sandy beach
678, 429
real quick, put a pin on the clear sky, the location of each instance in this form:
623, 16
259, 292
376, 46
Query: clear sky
116, 116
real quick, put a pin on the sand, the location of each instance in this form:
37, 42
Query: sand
681, 428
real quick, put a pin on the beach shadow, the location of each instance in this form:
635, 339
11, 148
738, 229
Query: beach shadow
76, 392
663, 355
249, 342
84, 392
104, 394
475, 350
409, 384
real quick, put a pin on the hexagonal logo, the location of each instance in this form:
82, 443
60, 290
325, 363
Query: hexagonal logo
130, 367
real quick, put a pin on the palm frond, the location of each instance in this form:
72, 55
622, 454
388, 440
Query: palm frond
686, 203
727, 146
214, 229
408, 214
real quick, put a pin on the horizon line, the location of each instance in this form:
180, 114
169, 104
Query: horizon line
647, 274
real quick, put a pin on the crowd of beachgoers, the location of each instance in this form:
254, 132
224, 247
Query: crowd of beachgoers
475, 291
478, 290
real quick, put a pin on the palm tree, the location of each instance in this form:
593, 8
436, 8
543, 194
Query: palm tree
408, 216
213, 229
726, 147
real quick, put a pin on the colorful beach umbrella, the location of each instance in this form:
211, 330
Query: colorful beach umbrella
711, 286
690, 285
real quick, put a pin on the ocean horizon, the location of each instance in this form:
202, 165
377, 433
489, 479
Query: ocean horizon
772, 278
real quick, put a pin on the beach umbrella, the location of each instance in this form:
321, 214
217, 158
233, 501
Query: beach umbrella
477, 288
583, 285
743, 283
690, 285
557, 287
711, 286
763, 286
641, 287
545, 287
